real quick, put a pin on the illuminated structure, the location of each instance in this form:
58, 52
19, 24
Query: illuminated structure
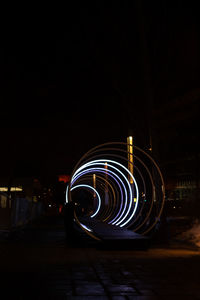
133, 202
130, 156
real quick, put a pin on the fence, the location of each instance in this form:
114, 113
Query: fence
17, 212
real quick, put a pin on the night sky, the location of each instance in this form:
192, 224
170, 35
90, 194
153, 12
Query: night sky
76, 76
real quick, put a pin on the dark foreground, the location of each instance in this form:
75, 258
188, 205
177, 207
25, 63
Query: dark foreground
38, 264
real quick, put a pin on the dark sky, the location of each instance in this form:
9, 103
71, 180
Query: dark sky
76, 76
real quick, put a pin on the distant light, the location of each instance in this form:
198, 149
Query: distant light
130, 156
16, 189
64, 178
49, 205
174, 207
60, 208
12, 189
135, 199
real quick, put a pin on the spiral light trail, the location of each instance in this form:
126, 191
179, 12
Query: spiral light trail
133, 201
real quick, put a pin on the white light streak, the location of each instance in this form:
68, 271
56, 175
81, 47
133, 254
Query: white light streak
98, 196
102, 162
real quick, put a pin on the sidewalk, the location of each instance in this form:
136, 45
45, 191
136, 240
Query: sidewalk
43, 266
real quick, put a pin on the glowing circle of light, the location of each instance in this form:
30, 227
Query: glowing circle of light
113, 176
109, 171
90, 187
98, 162
103, 170
140, 216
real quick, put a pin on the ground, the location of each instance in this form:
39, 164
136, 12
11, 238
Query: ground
37, 263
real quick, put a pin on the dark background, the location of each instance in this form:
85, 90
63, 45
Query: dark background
75, 76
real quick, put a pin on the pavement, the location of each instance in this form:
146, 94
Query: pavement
38, 263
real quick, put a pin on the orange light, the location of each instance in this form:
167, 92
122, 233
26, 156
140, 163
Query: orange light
94, 184
130, 156
64, 178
